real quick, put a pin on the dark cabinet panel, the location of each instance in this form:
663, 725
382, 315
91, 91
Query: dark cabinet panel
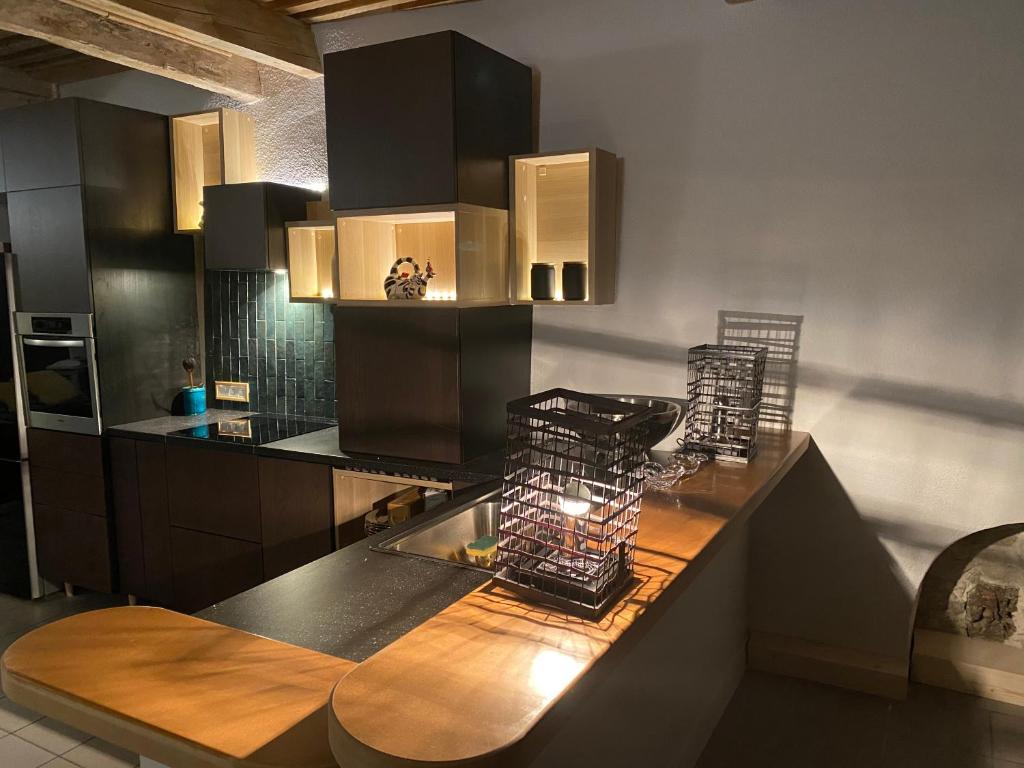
216, 491
124, 486
296, 510
425, 120
74, 547
41, 146
66, 451
209, 568
73, 533
468, 364
379, 409
48, 239
244, 223
155, 520
69, 490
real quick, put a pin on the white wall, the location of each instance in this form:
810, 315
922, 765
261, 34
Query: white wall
859, 163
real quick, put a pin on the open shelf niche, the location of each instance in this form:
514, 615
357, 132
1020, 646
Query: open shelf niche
207, 149
311, 258
564, 208
466, 245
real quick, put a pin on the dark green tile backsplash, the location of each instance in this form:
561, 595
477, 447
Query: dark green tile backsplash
284, 350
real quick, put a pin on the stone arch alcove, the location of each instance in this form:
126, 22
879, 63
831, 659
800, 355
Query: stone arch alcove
969, 625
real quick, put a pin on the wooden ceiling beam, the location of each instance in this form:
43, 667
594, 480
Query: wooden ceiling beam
72, 27
242, 28
332, 10
20, 85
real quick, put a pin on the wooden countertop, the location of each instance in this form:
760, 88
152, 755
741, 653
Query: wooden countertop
477, 677
183, 691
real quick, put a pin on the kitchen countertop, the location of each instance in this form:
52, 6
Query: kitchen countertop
470, 683
320, 447
157, 429
353, 602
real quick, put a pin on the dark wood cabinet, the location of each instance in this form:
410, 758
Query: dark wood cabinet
196, 525
124, 492
48, 230
155, 521
41, 147
215, 491
296, 513
426, 120
73, 529
208, 568
445, 401
244, 223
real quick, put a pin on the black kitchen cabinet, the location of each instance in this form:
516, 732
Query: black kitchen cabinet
214, 491
425, 120
210, 568
74, 534
296, 511
41, 147
468, 364
48, 229
244, 223
196, 525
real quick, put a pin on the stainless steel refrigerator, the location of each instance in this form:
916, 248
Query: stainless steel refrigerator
18, 574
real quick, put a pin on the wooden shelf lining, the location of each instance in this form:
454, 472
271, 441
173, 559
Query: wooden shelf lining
564, 208
465, 245
207, 149
311, 258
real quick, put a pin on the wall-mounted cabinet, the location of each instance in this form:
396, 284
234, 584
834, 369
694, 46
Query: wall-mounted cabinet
426, 120
208, 148
312, 253
245, 224
565, 210
464, 247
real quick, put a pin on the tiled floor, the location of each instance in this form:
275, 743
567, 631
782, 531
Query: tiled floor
28, 740
777, 721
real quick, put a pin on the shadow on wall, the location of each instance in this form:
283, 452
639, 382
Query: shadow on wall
780, 335
814, 563
960, 404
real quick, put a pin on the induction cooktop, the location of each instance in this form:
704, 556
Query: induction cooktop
252, 430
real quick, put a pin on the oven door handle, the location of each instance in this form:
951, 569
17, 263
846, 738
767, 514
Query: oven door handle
63, 343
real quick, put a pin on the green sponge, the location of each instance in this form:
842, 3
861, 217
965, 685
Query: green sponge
485, 546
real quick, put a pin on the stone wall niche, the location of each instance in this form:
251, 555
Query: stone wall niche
969, 630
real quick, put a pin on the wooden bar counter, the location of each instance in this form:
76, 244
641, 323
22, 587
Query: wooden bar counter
177, 689
492, 680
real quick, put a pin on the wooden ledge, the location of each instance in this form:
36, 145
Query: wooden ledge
471, 682
180, 690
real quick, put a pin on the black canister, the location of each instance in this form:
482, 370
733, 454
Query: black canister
542, 282
574, 280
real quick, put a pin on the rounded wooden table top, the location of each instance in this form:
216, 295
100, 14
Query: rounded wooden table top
475, 679
181, 690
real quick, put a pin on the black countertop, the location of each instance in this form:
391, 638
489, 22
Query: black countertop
320, 446
353, 602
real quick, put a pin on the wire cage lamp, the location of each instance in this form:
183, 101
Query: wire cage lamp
571, 499
723, 390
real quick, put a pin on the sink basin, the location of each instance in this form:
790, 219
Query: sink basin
445, 538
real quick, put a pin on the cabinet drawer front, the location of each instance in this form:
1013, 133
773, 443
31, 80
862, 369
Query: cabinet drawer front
210, 568
65, 451
68, 490
213, 491
296, 512
73, 547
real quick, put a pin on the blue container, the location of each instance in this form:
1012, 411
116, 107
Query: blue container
194, 400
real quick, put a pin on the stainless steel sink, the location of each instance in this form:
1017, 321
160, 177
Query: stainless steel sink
445, 538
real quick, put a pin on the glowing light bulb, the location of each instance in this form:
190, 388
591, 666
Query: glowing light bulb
576, 499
